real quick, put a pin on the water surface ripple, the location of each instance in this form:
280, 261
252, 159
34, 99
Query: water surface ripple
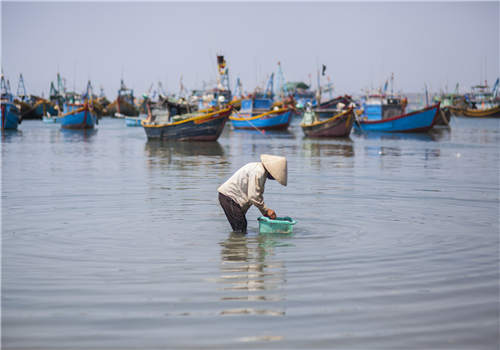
113, 242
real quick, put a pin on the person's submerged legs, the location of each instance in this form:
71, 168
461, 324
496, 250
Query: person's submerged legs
234, 214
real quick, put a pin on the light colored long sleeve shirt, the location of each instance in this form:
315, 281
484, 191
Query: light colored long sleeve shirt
246, 187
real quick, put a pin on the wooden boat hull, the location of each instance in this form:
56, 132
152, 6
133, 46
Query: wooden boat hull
418, 121
81, 118
279, 120
333, 102
122, 107
10, 116
444, 116
26, 110
339, 125
482, 113
43, 107
202, 128
456, 111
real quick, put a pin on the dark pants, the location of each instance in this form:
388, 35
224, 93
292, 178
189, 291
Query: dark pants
234, 214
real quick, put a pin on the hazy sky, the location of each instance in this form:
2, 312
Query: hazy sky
361, 43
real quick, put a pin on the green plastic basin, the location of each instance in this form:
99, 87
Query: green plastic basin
278, 225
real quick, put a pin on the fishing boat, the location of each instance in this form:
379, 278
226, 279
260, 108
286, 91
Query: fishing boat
78, 116
259, 113
450, 104
124, 105
50, 119
43, 106
301, 93
214, 96
493, 112
25, 103
57, 95
338, 125
444, 116
134, 121
381, 106
333, 102
11, 116
204, 125
420, 120
334, 106
482, 102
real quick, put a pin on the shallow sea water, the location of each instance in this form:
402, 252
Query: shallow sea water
113, 242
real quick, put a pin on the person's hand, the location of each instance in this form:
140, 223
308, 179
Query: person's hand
271, 214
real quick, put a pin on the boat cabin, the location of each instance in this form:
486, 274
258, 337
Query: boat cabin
125, 94
210, 98
255, 106
379, 107
301, 93
6, 94
480, 97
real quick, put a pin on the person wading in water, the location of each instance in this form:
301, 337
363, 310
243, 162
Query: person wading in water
246, 187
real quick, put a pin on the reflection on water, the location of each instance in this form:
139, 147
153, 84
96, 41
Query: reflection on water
252, 279
70, 135
163, 149
436, 134
155, 148
8, 134
317, 148
388, 151
252, 133
336, 152
192, 153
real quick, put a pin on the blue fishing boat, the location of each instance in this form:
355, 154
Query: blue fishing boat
49, 119
258, 113
381, 106
43, 106
417, 121
11, 116
134, 121
78, 116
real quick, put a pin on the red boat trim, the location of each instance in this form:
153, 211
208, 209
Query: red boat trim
404, 115
3, 116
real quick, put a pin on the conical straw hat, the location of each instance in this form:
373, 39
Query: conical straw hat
276, 166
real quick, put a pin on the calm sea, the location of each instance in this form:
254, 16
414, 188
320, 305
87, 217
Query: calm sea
113, 242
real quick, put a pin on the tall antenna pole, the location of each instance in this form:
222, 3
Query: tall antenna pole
485, 71
74, 77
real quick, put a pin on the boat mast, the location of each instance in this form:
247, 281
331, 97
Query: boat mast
21, 89
223, 77
318, 92
4, 89
392, 84
161, 90
90, 90
269, 87
182, 88
280, 83
238, 90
